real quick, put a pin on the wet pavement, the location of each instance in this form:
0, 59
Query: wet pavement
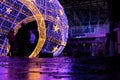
60, 68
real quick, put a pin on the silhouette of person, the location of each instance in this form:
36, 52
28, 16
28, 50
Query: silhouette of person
32, 42
21, 39
32, 37
11, 39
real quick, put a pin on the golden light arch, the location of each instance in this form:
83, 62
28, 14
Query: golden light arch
41, 26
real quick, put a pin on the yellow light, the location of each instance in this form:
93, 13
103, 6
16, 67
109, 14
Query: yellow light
8, 10
41, 26
55, 49
63, 43
56, 28
61, 12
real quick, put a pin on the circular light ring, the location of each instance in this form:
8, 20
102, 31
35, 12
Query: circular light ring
41, 26
38, 16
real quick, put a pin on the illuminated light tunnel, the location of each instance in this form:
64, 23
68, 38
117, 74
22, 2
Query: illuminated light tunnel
45, 17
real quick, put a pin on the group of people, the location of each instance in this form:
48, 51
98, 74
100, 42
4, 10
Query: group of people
23, 43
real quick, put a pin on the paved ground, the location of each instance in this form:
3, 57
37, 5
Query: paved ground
60, 68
